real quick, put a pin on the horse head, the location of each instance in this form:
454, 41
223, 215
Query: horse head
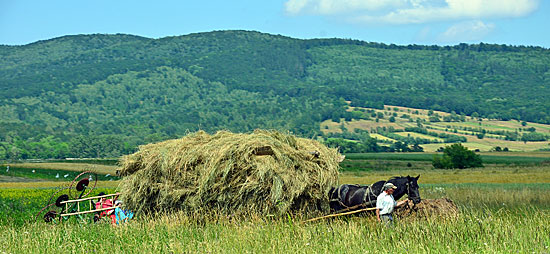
412, 189
406, 185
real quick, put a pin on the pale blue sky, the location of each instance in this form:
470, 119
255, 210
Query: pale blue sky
427, 22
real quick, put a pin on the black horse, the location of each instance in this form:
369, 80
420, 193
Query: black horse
353, 197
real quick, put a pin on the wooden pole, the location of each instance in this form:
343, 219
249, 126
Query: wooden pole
91, 211
340, 214
349, 208
89, 198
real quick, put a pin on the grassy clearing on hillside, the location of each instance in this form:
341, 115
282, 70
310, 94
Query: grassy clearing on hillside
540, 127
430, 148
418, 135
383, 138
489, 142
370, 124
488, 125
544, 128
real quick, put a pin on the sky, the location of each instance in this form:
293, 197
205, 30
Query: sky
401, 22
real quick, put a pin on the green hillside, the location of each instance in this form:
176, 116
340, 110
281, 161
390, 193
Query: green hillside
102, 95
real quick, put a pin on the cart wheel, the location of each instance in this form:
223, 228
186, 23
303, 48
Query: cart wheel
82, 184
79, 185
50, 216
55, 195
38, 215
60, 199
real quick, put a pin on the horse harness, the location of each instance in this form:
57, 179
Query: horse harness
342, 194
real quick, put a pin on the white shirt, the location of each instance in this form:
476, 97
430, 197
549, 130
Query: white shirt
385, 203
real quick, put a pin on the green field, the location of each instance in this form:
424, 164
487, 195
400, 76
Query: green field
494, 158
503, 209
47, 174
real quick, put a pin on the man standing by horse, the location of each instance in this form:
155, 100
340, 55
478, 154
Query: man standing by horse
385, 203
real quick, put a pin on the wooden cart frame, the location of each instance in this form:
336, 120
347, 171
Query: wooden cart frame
72, 207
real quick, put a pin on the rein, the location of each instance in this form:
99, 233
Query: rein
409, 198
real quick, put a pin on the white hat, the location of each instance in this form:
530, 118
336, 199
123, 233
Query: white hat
388, 186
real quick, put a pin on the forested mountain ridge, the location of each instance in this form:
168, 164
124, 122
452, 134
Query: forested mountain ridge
75, 92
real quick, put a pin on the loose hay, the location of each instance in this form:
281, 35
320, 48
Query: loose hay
442, 208
266, 172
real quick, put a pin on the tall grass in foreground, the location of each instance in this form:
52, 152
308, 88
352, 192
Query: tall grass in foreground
491, 196
475, 231
495, 218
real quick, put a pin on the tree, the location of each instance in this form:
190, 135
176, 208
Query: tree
441, 162
457, 156
417, 148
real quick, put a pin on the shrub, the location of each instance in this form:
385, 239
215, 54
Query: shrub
457, 156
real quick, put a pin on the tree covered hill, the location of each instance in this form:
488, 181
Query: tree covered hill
74, 93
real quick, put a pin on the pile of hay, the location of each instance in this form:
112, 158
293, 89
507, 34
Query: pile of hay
265, 172
441, 208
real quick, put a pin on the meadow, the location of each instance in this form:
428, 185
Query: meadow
489, 158
98, 166
384, 162
503, 209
